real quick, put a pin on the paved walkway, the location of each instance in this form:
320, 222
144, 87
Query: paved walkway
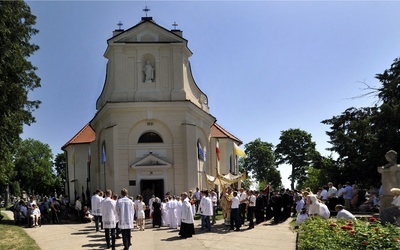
83, 236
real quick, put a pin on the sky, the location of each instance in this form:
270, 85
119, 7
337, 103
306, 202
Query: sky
266, 66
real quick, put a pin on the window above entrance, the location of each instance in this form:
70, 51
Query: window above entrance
150, 137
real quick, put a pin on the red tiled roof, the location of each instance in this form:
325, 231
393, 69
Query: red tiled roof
219, 132
85, 135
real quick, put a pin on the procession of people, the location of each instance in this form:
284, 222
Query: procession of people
118, 215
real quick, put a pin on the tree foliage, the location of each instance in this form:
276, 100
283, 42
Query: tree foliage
60, 168
260, 162
17, 78
298, 150
33, 163
362, 136
322, 170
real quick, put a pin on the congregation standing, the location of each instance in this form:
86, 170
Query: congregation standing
117, 216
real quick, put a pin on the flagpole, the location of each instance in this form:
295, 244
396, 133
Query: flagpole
105, 184
75, 192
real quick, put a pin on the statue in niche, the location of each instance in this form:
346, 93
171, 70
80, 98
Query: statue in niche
148, 72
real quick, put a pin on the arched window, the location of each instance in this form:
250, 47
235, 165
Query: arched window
150, 137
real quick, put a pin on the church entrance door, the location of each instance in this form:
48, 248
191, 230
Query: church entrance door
150, 187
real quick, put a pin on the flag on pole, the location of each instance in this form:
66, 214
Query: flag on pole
267, 189
238, 151
217, 150
89, 160
200, 152
103, 154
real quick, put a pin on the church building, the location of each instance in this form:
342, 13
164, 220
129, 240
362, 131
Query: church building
153, 132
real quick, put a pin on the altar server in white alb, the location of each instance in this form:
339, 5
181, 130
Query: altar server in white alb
171, 206
187, 220
110, 218
96, 201
126, 210
206, 210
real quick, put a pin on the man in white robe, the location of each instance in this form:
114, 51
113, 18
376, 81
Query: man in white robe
126, 210
96, 201
110, 218
205, 209
187, 220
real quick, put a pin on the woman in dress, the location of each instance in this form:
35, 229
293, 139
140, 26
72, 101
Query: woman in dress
164, 211
156, 207
392, 213
354, 197
368, 204
140, 208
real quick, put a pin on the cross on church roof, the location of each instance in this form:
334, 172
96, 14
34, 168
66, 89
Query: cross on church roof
146, 9
175, 25
119, 25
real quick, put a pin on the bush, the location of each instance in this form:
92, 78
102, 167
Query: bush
318, 233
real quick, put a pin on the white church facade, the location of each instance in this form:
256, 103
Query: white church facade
153, 131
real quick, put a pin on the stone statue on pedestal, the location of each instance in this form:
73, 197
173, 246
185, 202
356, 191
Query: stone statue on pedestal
390, 178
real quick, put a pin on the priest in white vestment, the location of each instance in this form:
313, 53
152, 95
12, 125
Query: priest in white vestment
126, 210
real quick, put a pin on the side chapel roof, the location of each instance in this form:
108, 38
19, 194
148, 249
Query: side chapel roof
85, 135
219, 132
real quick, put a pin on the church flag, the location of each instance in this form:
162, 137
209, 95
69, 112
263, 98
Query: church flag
200, 152
238, 151
217, 150
89, 160
266, 190
103, 154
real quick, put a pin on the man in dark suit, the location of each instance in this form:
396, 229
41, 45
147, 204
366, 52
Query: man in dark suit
276, 201
259, 209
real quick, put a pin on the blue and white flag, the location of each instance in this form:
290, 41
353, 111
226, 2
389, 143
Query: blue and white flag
200, 152
103, 154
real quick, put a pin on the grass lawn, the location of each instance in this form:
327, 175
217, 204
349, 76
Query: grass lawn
14, 237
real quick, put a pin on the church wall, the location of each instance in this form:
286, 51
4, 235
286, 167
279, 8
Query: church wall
125, 80
132, 120
77, 169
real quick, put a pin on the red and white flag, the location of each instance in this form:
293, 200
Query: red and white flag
89, 158
217, 150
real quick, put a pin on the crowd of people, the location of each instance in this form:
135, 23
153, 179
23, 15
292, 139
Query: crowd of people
116, 215
345, 200
37, 210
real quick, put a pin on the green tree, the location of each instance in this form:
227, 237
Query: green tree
355, 140
33, 163
260, 162
17, 78
60, 166
362, 136
298, 150
320, 172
